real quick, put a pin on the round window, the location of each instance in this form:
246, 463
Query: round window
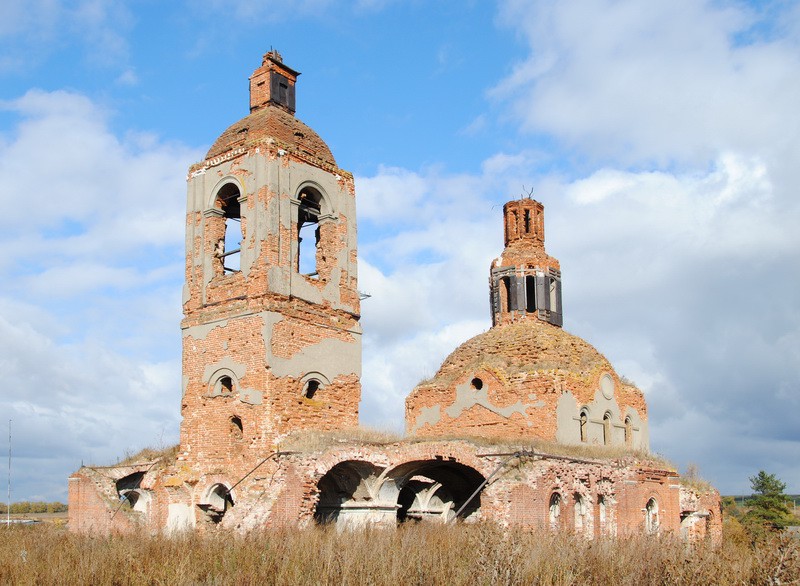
607, 386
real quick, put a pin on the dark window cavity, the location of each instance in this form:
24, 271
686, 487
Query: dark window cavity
530, 293
236, 427
311, 388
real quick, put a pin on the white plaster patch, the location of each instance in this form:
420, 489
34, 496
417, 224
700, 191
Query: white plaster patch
251, 396
427, 416
179, 518
200, 332
330, 357
467, 397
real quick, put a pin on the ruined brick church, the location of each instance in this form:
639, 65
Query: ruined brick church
524, 424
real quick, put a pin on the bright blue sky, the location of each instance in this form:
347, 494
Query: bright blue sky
663, 142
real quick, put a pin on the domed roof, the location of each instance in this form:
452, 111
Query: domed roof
528, 345
276, 123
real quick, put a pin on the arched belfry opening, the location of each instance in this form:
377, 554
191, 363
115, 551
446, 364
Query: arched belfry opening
309, 213
229, 246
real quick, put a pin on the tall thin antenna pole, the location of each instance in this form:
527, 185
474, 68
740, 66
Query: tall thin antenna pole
8, 502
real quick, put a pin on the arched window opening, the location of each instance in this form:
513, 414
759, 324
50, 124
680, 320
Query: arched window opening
310, 388
530, 293
580, 512
505, 291
628, 431
223, 383
228, 248
651, 516
607, 429
308, 232
477, 384
236, 427
601, 513
553, 292
130, 493
138, 500
423, 499
217, 502
584, 422
555, 510
527, 221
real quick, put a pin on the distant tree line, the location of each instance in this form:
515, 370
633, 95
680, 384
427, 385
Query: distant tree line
25, 507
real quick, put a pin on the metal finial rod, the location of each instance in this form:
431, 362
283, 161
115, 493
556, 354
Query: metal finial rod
526, 193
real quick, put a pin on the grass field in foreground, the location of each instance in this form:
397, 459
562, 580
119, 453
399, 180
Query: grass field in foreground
421, 554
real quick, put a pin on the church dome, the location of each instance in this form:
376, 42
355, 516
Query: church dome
526, 377
526, 346
277, 124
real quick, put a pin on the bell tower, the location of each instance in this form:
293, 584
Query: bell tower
271, 333
524, 281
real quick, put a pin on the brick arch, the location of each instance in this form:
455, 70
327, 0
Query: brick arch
214, 498
227, 180
326, 206
414, 485
653, 510
347, 487
452, 451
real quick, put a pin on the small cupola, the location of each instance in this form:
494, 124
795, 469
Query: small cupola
525, 282
272, 84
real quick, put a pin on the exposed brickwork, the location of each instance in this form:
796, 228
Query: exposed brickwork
272, 127
269, 352
94, 503
529, 364
263, 89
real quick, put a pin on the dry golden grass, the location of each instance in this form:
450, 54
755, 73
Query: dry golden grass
309, 441
165, 456
316, 441
421, 554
